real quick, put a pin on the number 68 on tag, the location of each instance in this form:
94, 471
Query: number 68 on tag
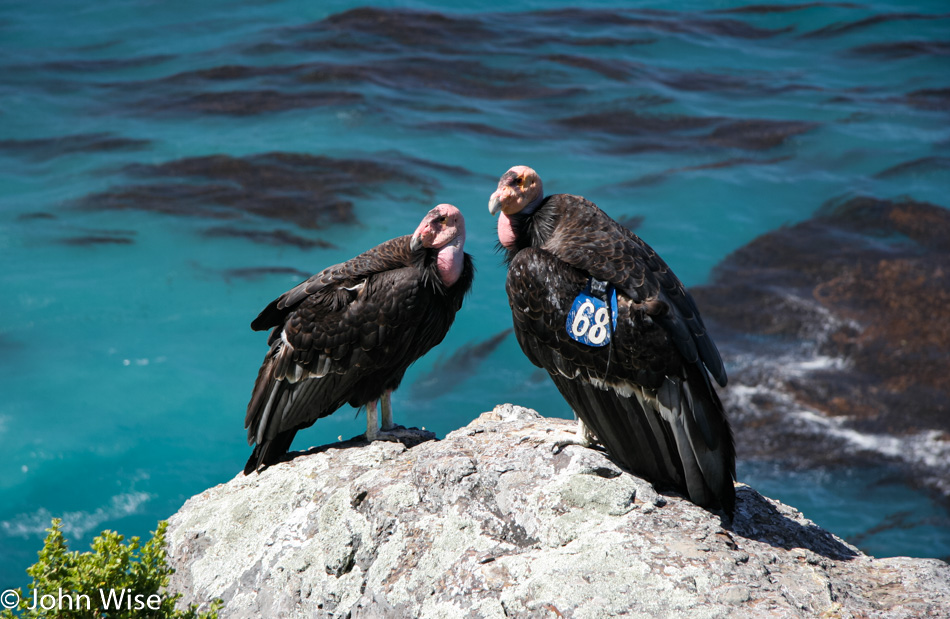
592, 320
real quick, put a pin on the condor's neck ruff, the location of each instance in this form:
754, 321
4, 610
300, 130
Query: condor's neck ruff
506, 231
450, 260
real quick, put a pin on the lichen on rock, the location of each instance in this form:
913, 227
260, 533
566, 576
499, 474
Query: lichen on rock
493, 521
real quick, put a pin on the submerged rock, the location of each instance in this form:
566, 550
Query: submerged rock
491, 522
837, 330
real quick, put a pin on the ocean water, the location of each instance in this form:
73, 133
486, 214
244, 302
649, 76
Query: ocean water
168, 168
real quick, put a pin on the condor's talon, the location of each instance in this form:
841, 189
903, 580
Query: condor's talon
391, 435
568, 441
384, 429
582, 437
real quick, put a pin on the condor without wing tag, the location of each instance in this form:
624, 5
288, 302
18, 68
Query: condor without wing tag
593, 316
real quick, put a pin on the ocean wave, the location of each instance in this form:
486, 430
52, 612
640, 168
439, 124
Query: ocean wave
924, 455
74, 524
774, 421
923, 448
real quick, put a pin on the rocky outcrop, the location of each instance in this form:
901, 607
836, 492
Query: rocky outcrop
492, 521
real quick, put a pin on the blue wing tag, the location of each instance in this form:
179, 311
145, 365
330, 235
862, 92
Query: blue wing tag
593, 316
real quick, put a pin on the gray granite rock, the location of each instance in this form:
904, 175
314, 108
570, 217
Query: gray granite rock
493, 522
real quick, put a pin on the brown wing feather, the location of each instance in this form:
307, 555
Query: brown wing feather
587, 238
392, 254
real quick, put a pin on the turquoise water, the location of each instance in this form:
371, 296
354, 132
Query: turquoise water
130, 276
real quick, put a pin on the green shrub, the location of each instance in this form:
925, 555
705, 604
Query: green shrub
114, 580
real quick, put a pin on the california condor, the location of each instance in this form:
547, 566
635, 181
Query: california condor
620, 337
348, 334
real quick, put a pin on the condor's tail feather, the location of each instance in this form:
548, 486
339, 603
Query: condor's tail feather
677, 437
709, 435
269, 452
269, 422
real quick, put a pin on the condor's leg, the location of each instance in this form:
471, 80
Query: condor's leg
387, 401
372, 421
373, 432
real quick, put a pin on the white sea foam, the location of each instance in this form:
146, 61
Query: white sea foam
834, 426
819, 362
765, 380
144, 361
820, 329
75, 524
923, 448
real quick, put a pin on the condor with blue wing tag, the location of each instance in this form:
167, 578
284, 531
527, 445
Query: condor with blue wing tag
593, 316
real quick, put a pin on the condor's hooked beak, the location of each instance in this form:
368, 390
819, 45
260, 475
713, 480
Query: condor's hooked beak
494, 204
415, 243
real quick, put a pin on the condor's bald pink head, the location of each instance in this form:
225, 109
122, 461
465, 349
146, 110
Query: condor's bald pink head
443, 229
519, 188
519, 191
439, 227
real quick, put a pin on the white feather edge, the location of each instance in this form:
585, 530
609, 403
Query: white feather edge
299, 374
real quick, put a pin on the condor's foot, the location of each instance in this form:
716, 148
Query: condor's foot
395, 434
582, 437
410, 437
